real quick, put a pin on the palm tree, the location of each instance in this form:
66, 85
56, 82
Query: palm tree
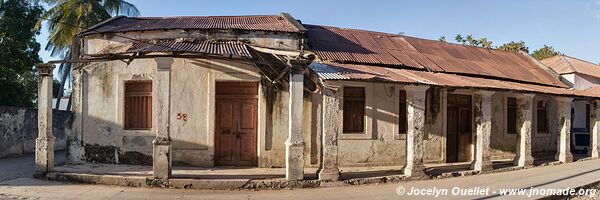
65, 18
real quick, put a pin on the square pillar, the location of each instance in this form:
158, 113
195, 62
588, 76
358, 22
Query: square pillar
161, 145
595, 128
415, 109
524, 129
294, 145
563, 151
483, 128
44, 143
330, 129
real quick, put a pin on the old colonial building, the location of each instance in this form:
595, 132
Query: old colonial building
269, 91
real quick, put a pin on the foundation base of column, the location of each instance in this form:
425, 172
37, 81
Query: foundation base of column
161, 160
528, 161
593, 154
568, 157
329, 174
294, 164
416, 172
486, 166
44, 155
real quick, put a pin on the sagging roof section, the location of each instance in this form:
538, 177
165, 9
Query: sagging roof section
563, 64
337, 71
390, 50
217, 48
273, 23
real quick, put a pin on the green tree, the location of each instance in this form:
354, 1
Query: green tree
18, 52
545, 52
514, 47
472, 41
66, 18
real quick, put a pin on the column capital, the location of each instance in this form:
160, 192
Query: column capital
416, 88
45, 69
298, 65
564, 99
525, 95
332, 87
164, 63
484, 92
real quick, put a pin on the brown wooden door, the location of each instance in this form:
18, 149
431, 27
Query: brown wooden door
236, 124
459, 132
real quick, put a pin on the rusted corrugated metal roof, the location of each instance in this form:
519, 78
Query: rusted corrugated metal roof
375, 48
565, 65
219, 48
336, 71
257, 23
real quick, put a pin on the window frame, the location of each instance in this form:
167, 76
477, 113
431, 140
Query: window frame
149, 108
507, 116
354, 100
546, 117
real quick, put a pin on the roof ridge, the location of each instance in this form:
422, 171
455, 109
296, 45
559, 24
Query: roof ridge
414, 37
201, 16
581, 60
569, 64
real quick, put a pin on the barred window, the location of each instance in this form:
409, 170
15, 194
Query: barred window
138, 105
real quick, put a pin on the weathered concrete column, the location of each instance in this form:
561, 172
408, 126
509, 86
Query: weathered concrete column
161, 159
44, 143
294, 145
563, 150
415, 109
329, 155
483, 129
524, 128
595, 128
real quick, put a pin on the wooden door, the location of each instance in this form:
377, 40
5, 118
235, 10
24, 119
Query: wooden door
236, 124
458, 125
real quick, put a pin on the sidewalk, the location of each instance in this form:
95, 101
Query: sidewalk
551, 177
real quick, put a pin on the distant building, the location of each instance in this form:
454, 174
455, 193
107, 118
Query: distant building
64, 102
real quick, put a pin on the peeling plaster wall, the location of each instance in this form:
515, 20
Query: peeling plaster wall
107, 43
18, 130
502, 144
192, 94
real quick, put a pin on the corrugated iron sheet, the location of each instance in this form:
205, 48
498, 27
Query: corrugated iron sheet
336, 71
565, 65
258, 22
219, 48
375, 48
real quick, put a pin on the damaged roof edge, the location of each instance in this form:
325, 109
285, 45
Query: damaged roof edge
293, 22
90, 29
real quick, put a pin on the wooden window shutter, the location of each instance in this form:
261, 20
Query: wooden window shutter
402, 114
138, 105
354, 109
511, 115
542, 117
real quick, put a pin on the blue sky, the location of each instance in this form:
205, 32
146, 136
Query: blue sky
572, 27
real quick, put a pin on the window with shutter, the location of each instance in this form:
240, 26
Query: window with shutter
138, 105
542, 117
511, 115
403, 114
354, 109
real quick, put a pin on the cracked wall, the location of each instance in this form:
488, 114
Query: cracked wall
18, 130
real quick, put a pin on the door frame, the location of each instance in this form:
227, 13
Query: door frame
446, 93
258, 116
